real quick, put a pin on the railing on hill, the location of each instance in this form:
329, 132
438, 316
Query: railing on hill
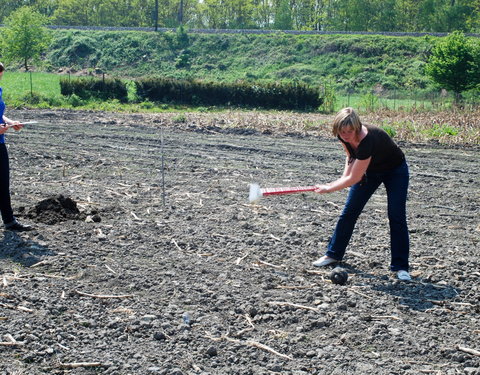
257, 31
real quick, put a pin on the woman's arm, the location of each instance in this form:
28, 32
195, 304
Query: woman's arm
352, 174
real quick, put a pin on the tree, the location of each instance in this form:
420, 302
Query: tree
283, 16
25, 36
455, 64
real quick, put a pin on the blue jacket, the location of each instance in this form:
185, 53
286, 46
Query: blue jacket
2, 110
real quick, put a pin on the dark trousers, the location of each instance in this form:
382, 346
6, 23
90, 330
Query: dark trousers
396, 184
5, 203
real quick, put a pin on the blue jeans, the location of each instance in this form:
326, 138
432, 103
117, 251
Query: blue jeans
396, 184
5, 204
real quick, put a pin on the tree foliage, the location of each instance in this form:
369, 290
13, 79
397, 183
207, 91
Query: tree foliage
25, 38
327, 15
455, 63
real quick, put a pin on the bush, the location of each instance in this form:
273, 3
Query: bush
245, 94
75, 101
86, 88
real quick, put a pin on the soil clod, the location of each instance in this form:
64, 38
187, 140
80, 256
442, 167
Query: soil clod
54, 209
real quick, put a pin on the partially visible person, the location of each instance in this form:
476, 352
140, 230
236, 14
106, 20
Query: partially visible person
9, 221
372, 158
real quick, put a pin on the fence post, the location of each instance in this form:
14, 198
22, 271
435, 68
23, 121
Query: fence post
31, 84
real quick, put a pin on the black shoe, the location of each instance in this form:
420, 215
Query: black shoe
17, 227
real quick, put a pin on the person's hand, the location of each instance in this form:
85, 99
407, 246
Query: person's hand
321, 189
3, 128
16, 125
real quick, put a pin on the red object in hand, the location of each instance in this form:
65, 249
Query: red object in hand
256, 192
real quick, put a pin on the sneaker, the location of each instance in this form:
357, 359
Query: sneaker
324, 261
17, 227
403, 275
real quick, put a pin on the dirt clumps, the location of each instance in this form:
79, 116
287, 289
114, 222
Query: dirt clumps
54, 209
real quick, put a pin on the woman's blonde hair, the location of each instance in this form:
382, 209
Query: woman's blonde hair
347, 117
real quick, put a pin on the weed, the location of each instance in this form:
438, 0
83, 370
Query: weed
180, 119
329, 97
437, 131
147, 104
390, 130
75, 101
369, 101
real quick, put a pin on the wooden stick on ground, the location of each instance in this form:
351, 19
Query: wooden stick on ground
294, 286
176, 244
268, 264
108, 268
251, 343
251, 328
11, 341
380, 317
249, 320
22, 308
312, 272
294, 305
469, 351
80, 364
267, 348
360, 294
259, 345
239, 260
103, 296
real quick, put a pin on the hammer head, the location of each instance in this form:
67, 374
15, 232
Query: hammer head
255, 193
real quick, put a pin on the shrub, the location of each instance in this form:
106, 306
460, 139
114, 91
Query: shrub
75, 101
86, 88
244, 94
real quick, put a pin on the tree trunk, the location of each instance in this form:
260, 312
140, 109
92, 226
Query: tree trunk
458, 100
156, 15
180, 13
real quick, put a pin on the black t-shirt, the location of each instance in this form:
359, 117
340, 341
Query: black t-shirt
377, 144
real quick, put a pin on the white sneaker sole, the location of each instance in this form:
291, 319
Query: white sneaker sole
404, 276
323, 261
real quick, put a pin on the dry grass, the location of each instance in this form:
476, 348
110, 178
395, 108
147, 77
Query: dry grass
448, 127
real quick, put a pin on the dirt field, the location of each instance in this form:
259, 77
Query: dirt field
176, 273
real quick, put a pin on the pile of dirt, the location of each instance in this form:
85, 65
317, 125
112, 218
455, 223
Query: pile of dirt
54, 209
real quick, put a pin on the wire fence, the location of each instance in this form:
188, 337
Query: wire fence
401, 101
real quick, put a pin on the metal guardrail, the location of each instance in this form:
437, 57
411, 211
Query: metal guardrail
256, 31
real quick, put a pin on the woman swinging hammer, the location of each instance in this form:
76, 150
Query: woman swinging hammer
372, 158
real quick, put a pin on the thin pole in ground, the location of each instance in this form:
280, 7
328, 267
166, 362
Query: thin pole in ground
163, 166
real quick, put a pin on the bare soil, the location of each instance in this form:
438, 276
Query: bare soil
147, 257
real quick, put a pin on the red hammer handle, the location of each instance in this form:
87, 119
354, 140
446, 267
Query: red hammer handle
287, 190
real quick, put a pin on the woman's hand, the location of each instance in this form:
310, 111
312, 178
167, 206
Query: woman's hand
322, 189
3, 128
10, 124
16, 125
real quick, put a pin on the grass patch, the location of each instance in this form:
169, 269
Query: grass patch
17, 84
441, 130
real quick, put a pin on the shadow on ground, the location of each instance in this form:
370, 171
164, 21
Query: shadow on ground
19, 250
